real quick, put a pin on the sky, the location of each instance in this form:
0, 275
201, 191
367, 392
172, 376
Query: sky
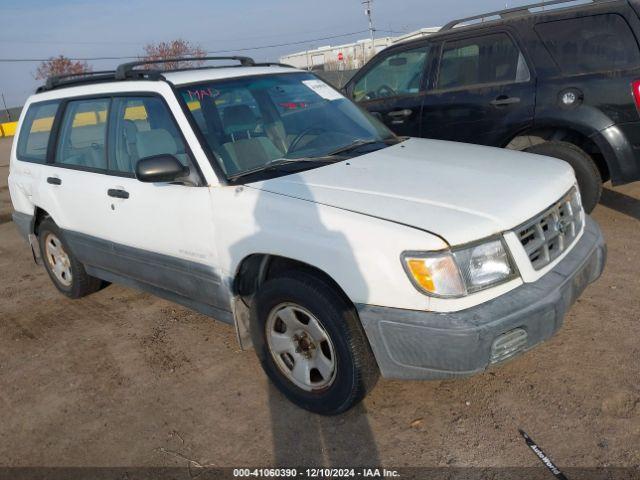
36, 29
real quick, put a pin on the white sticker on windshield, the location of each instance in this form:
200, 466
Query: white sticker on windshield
322, 89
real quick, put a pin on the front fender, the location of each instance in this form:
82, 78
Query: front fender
360, 253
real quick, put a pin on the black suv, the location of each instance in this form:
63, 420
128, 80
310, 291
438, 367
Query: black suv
554, 78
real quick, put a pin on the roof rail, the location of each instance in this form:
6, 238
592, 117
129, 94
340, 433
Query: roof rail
75, 78
127, 70
511, 12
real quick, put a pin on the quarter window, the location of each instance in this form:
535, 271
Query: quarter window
83, 134
590, 44
143, 127
35, 132
483, 60
398, 74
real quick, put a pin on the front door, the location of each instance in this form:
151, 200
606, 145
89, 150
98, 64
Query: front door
484, 92
162, 233
392, 88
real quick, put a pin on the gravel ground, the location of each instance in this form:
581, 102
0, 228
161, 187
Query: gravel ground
124, 379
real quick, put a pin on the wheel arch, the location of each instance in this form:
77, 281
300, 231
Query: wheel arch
565, 133
257, 268
252, 272
39, 214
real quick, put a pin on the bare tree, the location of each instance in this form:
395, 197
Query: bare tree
61, 65
173, 49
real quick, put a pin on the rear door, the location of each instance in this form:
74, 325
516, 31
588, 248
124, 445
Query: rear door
392, 87
75, 178
484, 91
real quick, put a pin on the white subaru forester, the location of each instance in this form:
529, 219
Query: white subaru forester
259, 195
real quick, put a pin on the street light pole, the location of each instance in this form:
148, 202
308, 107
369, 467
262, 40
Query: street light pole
368, 5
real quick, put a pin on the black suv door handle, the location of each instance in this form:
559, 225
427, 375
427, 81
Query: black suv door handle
504, 101
399, 114
54, 181
116, 193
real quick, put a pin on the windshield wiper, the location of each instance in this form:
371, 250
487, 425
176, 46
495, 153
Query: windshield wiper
278, 163
358, 144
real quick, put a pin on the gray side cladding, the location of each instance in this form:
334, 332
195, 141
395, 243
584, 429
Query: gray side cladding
23, 222
179, 279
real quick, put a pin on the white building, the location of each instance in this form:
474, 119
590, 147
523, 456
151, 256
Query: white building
349, 56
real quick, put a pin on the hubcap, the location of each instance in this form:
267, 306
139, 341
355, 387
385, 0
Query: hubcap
58, 259
301, 347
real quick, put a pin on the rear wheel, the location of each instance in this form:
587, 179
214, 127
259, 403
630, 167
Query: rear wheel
587, 173
65, 271
311, 344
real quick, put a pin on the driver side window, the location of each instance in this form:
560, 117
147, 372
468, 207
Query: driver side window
397, 74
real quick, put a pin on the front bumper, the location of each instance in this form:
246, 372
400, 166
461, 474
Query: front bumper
415, 345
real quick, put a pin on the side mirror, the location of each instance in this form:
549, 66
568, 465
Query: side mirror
160, 168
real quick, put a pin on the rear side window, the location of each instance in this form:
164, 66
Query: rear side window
35, 132
143, 127
590, 44
482, 60
83, 134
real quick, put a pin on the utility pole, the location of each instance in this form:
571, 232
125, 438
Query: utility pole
368, 5
5, 107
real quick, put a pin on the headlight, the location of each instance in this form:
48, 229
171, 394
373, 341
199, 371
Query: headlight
461, 271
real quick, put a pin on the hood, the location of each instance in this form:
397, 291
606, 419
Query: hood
458, 191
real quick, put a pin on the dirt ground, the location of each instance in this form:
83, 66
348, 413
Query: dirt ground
124, 379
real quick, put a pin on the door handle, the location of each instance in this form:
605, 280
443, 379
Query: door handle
117, 193
505, 101
399, 114
54, 181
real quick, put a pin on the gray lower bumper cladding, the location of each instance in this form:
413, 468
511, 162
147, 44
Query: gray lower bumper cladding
427, 346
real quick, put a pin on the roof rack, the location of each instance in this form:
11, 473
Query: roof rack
76, 78
511, 12
127, 70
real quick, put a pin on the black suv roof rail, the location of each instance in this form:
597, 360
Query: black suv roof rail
512, 12
128, 71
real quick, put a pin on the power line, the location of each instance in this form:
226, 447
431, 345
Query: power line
210, 52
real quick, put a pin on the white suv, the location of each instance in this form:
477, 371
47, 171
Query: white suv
259, 195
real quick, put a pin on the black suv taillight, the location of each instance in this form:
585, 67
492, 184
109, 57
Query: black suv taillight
636, 92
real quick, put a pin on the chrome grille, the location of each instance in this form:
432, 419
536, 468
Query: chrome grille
548, 235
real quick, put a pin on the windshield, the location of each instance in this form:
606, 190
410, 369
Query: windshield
253, 123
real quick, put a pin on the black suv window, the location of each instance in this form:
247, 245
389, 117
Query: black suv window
482, 60
590, 44
83, 134
35, 132
398, 74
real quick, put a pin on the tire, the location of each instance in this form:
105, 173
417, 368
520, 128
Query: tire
312, 299
64, 269
587, 173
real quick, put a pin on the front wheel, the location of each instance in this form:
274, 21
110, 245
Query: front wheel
311, 344
587, 173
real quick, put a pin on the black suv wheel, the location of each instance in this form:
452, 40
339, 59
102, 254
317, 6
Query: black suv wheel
311, 344
587, 173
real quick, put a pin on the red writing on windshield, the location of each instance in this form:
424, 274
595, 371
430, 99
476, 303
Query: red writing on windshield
203, 93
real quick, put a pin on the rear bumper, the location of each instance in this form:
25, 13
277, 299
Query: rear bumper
425, 345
